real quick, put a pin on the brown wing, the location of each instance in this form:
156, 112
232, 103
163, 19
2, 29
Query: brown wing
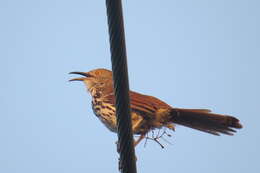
146, 105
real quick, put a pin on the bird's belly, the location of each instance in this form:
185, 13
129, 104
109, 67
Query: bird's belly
106, 114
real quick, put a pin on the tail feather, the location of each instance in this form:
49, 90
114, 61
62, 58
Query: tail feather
204, 120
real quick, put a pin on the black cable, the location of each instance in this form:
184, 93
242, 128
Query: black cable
121, 86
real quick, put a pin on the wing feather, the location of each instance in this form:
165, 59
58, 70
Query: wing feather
141, 103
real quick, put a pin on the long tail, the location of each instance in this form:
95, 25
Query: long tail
204, 120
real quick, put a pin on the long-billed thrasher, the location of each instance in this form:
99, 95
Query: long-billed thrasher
149, 113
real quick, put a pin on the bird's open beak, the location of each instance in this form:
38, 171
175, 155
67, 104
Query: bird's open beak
80, 78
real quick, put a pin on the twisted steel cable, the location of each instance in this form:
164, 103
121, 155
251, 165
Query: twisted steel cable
121, 86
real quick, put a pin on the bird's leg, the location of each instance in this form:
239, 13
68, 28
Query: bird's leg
136, 142
136, 123
141, 137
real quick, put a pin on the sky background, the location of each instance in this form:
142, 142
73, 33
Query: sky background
189, 53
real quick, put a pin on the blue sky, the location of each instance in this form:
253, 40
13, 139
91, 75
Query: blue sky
191, 54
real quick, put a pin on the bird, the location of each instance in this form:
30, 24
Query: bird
149, 113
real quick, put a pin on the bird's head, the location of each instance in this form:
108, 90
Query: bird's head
97, 81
